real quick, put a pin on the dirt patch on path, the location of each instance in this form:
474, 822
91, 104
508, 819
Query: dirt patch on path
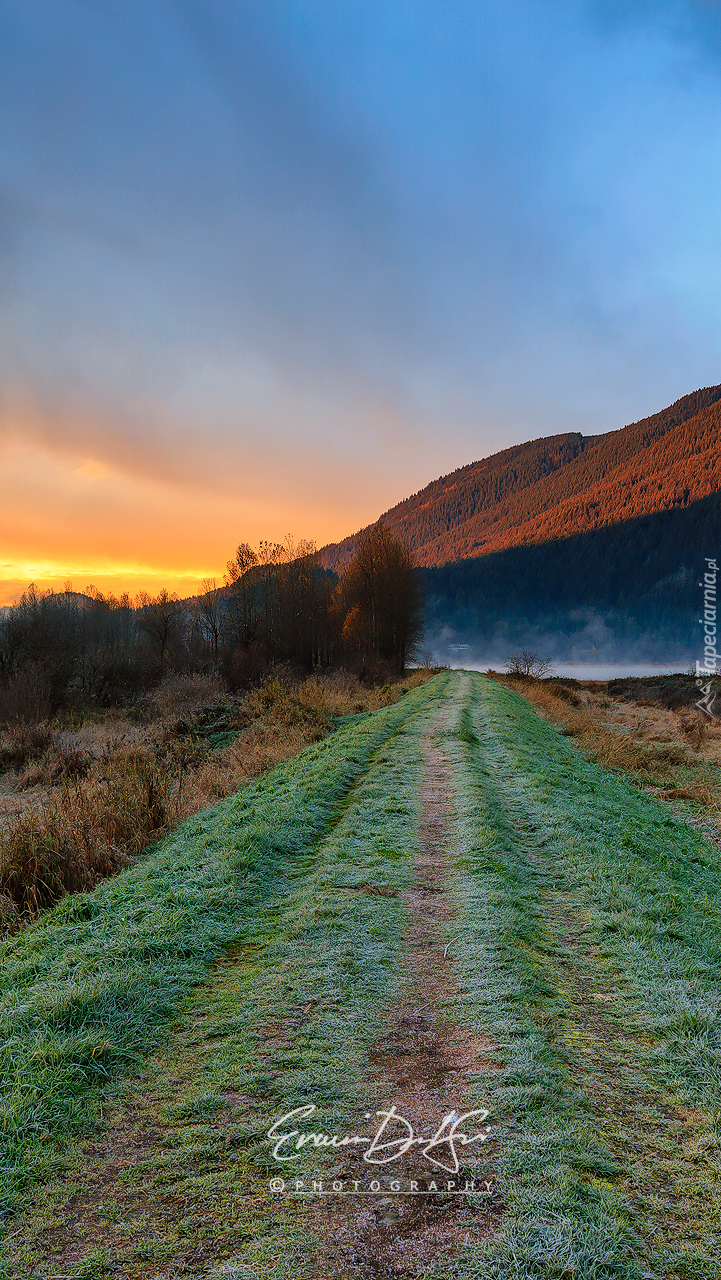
425, 1056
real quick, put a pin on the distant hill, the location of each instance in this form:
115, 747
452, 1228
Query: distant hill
587, 548
559, 486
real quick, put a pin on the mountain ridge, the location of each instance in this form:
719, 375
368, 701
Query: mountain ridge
556, 487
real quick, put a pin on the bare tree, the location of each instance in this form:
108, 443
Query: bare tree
159, 618
241, 577
210, 614
526, 664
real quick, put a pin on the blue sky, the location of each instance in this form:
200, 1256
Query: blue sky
270, 267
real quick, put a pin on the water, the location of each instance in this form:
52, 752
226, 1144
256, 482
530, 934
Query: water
581, 671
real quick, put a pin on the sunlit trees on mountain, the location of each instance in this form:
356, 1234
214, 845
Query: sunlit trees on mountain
561, 486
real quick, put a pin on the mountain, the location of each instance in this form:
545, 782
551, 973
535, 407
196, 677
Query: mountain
559, 486
585, 548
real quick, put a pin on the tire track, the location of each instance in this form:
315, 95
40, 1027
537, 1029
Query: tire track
126, 1167
424, 1058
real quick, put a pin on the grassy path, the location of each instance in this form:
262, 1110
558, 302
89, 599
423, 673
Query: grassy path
89, 991
312, 911
591, 944
443, 905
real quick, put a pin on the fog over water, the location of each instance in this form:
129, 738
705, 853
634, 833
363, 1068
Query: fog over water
583, 671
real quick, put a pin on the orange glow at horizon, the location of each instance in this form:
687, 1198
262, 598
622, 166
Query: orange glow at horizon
110, 579
69, 518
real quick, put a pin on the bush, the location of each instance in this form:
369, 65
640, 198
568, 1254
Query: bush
568, 695
186, 695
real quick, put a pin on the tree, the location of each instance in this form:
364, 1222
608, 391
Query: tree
241, 578
210, 614
159, 619
527, 664
380, 598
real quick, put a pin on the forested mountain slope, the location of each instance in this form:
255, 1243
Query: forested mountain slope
561, 486
621, 593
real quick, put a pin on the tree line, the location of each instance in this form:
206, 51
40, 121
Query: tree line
276, 605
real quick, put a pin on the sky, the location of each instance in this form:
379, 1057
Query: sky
267, 268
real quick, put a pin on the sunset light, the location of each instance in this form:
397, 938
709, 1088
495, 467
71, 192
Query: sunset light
360, 657
271, 268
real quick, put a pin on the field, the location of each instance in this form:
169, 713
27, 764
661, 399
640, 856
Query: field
446, 905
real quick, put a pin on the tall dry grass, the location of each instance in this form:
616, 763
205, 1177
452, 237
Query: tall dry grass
658, 743
565, 708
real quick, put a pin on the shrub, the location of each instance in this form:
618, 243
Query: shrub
568, 695
186, 695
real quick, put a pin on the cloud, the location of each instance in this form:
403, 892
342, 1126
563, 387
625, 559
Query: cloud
304, 257
64, 516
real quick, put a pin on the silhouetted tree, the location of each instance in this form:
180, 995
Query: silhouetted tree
211, 615
525, 663
380, 597
159, 619
242, 578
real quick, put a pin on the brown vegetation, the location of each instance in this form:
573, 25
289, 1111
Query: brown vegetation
673, 750
613, 751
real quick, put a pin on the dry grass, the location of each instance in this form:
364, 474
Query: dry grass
79, 805
179, 695
674, 752
695, 791
612, 750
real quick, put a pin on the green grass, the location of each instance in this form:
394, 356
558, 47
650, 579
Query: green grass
89, 990
574, 888
586, 945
